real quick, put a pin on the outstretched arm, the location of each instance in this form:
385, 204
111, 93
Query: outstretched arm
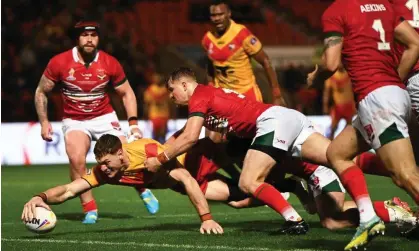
198, 200
55, 195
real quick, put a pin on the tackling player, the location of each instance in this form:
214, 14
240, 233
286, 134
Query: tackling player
123, 164
360, 34
230, 48
83, 73
339, 87
276, 132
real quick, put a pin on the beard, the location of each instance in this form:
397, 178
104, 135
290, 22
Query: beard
88, 52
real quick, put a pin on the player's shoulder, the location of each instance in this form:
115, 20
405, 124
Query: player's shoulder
337, 8
241, 30
106, 57
63, 57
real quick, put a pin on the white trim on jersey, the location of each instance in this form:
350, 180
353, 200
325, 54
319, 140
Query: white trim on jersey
76, 56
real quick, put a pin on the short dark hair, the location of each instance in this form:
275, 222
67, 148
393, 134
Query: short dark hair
182, 72
107, 144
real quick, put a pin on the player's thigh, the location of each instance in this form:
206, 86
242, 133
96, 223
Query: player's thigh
348, 144
256, 167
314, 149
77, 144
217, 190
397, 156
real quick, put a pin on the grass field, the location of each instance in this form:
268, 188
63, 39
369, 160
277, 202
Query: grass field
125, 225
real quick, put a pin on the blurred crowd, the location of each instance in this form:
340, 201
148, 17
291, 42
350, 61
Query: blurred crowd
32, 33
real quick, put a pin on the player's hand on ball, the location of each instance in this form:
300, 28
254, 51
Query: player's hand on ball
152, 164
211, 226
312, 75
29, 208
46, 131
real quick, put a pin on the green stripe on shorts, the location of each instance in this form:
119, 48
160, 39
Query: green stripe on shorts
390, 134
265, 140
332, 187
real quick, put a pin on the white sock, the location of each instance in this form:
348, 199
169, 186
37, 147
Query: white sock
291, 215
366, 209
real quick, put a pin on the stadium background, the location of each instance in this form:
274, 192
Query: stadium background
149, 37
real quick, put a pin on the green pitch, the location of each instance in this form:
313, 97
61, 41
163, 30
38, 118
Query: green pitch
125, 225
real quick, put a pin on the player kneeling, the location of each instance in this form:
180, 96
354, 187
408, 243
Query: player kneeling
123, 164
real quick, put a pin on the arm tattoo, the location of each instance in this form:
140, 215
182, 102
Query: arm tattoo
41, 101
332, 41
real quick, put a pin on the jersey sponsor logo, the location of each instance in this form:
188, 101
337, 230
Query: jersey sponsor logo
71, 75
370, 132
372, 8
231, 46
253, 41
116, 125
86, 75
101, 74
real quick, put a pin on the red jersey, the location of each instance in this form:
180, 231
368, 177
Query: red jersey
226, 111
84, 88
367, 28
406, 10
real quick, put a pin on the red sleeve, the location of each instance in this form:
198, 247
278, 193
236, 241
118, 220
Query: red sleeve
52, 71
198, 104
333, 20
117, 73
205, 42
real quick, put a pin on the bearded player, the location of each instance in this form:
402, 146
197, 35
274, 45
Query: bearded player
123, 164
353, 30
230, 48
83, 73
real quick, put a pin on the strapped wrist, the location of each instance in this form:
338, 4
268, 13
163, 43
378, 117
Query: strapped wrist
43, 196
163, 158
205, 217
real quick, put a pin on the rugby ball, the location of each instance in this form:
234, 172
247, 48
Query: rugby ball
44, 221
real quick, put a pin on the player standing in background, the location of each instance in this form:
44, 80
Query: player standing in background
230, 48
83, 73
157, 107
339, 87
360, 34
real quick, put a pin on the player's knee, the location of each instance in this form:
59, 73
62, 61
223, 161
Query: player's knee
245, 186
77, 162
401, 178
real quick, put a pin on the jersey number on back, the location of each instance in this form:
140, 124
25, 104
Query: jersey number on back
378, 27
413, 6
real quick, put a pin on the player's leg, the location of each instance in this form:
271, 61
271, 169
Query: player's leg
370, 163
256, 167
77, 144
340, 153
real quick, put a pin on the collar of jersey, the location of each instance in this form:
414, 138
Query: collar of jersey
76, 56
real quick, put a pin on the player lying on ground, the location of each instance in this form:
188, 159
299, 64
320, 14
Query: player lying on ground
123, 164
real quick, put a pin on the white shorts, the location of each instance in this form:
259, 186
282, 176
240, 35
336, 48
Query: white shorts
96, 127
383, 116
413, 90
324, 181
283, 129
